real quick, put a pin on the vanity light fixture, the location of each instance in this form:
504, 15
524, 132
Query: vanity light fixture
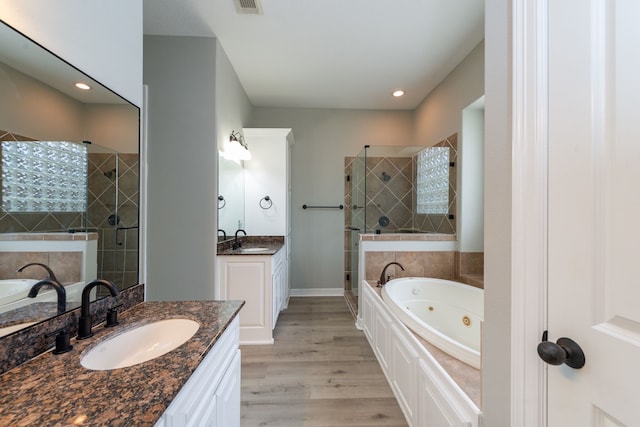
236, 148
83, 86
398, 93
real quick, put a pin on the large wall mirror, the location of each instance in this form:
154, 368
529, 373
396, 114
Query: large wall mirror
70, 181
230, 196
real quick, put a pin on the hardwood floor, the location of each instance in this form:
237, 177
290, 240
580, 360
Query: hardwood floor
320, 372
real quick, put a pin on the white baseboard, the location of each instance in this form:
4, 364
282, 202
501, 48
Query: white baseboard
317, 292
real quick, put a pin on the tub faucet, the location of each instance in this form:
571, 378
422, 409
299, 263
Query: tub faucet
46, 267
383, 278
62, 294
236, 243
84, 323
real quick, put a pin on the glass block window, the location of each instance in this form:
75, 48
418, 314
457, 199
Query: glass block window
433, 181
44, 176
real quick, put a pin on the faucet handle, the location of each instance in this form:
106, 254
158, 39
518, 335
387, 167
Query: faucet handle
112, 317
63, 340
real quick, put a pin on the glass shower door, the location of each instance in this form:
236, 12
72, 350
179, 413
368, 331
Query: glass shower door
358, 223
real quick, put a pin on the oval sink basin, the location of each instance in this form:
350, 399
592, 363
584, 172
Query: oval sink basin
254, 249
139, 345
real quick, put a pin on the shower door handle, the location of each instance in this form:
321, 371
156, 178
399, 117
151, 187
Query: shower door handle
353, 228
565, 350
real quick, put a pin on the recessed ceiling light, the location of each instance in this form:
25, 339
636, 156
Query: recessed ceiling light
398, 93
83, 86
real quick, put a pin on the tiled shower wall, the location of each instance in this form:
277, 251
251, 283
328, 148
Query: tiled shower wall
117, 247
391, 197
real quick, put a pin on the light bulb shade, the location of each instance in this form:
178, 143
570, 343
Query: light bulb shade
234, 149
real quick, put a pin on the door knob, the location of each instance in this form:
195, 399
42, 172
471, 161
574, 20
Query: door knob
565, 350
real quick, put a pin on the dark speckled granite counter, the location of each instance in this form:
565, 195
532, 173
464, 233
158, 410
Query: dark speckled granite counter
272, 244
56, 390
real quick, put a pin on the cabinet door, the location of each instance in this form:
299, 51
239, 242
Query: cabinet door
246, 281
404, 360
381, 333
367, 314
433, 408
277, 294
228, 396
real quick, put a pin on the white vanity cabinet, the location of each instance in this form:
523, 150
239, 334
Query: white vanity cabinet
211, 396
261, 281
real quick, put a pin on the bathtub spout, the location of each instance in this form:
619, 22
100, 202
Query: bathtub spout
383, 277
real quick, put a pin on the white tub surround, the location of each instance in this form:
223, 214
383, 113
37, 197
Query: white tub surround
425, 391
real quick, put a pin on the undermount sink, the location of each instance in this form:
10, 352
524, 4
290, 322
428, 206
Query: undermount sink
254, 249
139, 345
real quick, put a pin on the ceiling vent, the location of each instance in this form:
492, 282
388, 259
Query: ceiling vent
251, 7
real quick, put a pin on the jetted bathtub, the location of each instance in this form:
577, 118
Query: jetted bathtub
445, 313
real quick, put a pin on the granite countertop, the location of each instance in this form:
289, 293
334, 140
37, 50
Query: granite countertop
56, 390
246, 249
34, 312
271, 245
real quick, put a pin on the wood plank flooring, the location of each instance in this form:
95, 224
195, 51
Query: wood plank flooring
320, 372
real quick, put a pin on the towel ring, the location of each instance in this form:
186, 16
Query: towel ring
224, 202
265, 199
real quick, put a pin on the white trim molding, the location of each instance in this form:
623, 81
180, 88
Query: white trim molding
529, 210
317, 292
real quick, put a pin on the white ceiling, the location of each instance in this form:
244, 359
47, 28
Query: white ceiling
331, 53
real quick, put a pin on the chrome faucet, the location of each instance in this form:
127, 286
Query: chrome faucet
236, 243
383, 278
84, 323
62, 294
46, 267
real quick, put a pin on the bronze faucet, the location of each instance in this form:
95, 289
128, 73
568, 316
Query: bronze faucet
84, 323
236, 243
62, 293
383, 278
46, 267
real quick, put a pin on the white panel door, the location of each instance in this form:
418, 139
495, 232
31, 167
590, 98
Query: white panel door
594, 210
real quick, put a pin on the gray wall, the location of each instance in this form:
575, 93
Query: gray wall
323, 138
440, 113
233, 108
182, 170
496, 330
193, 99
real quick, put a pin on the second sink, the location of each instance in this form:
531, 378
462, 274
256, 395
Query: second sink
139, 345
260, 249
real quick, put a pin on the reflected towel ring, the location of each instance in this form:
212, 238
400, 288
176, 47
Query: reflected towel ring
224, 202
266, 199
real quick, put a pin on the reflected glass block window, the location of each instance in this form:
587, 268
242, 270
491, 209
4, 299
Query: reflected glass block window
433, 181
44, 176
